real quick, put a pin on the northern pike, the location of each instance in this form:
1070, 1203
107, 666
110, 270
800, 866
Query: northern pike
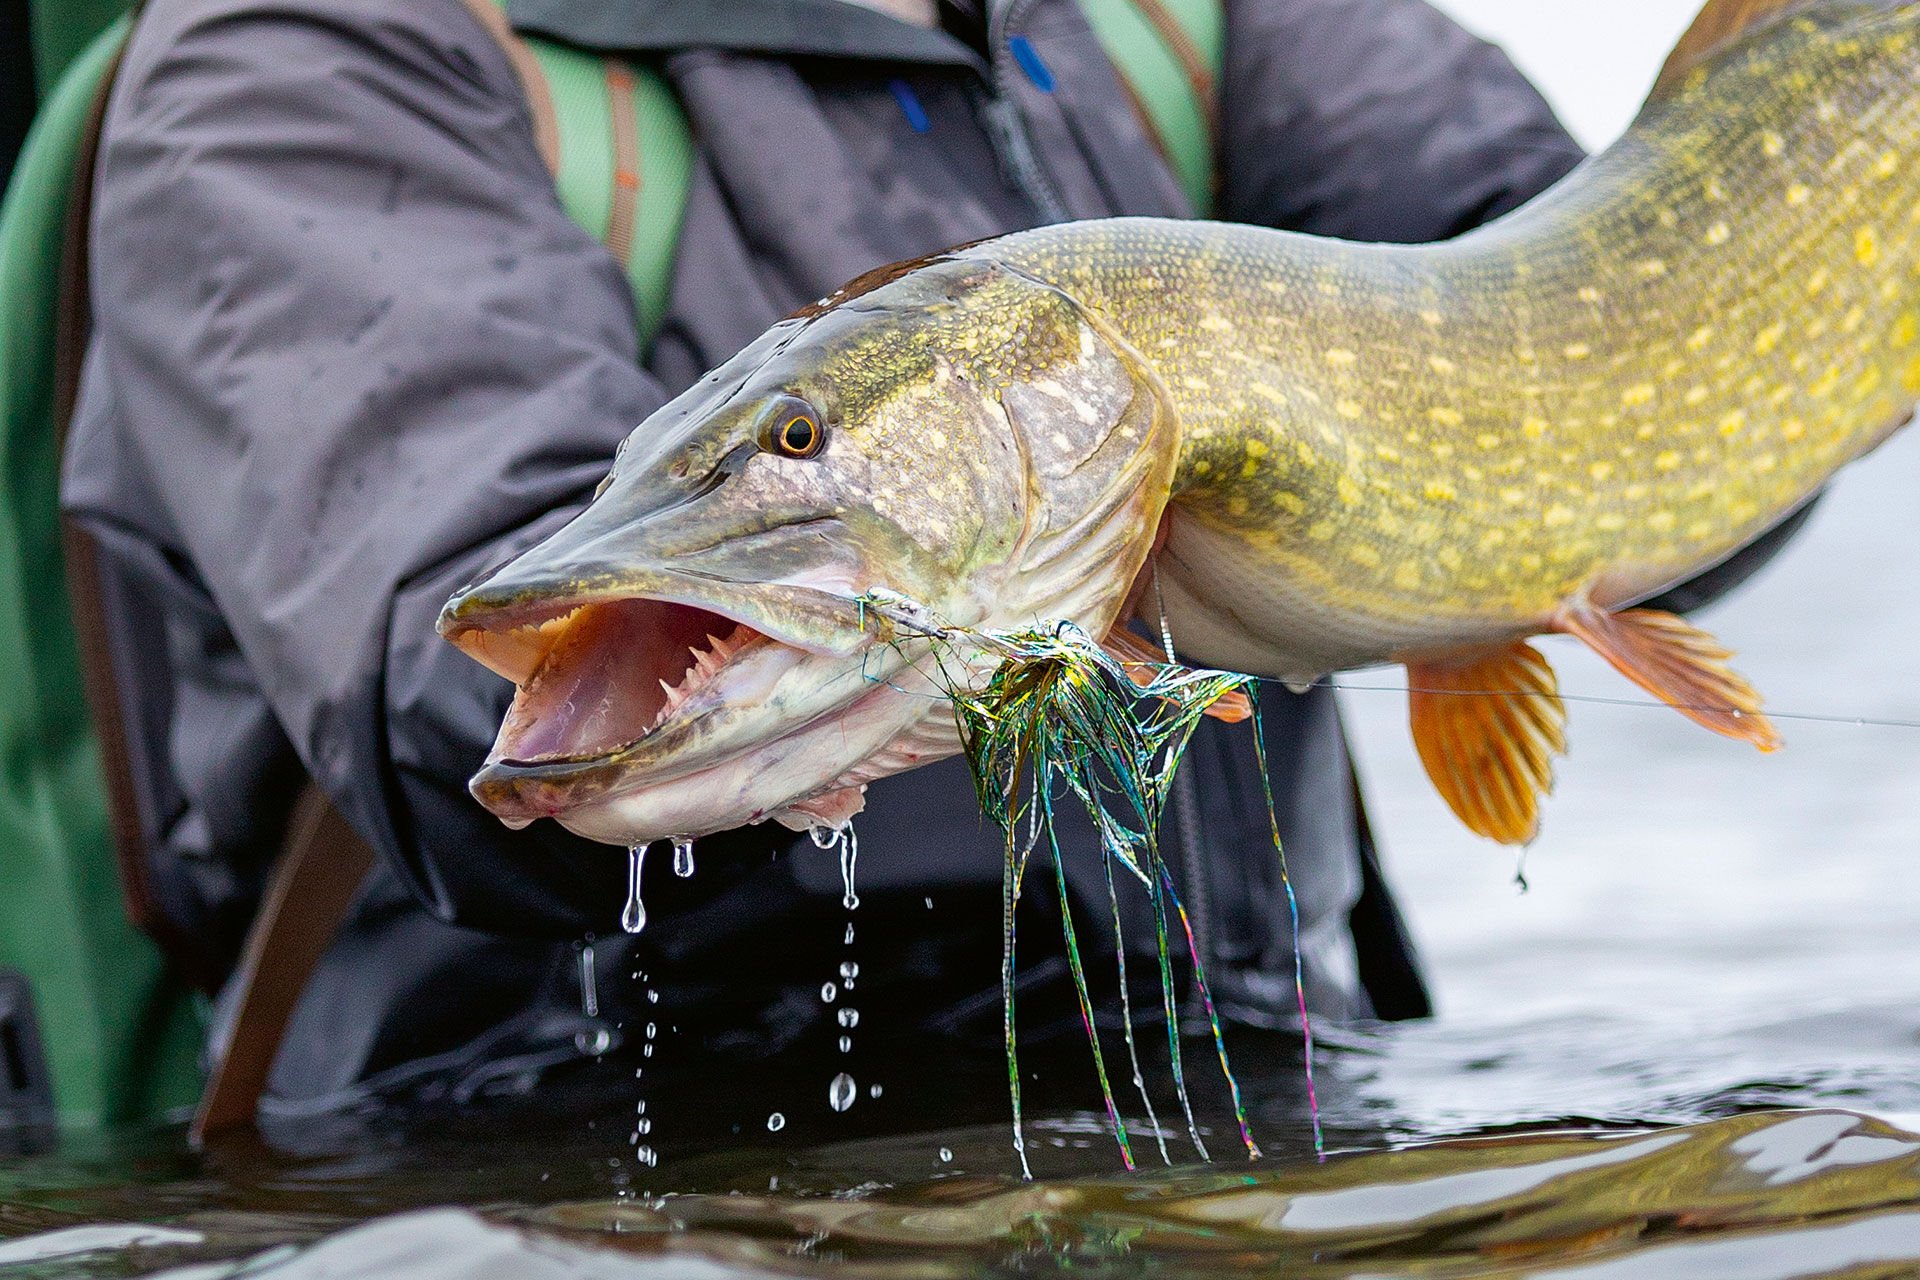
1317, 455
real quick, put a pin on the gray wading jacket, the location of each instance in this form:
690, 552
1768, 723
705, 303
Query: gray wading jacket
349, 352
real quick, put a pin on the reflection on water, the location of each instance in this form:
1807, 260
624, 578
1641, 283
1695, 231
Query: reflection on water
1710, 935
1775, 1194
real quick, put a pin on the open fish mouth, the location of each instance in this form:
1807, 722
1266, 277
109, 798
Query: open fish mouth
594, 679
612, 692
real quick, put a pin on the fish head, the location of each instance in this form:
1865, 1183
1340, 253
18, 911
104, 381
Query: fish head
715, 639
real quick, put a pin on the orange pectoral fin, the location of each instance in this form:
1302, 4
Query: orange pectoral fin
1487, 730
1680, 664
1141, 660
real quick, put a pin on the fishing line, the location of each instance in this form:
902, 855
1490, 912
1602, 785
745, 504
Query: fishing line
1584, 699
1804, 717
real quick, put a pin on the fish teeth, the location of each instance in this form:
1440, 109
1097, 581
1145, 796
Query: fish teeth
704, 663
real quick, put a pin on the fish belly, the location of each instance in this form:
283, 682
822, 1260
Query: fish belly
1229, 605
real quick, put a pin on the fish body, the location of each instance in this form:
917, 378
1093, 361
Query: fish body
1386, 450
1314, 455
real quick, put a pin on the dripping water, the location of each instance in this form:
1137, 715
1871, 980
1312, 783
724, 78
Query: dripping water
842, 1090
849, 855
589, 991
683, 856
633, 918
643, 1152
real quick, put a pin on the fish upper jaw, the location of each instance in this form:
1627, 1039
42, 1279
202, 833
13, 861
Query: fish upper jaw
507, 622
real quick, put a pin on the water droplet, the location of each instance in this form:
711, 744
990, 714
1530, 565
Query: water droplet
633, 918
824, 837
643, 1125
589, 991
849, 855
929, 902
647, 1156
946, 1155
849, 1017
653, 997
652, 1031
594, 1042
827, 992
840, 1092
776, 1122
683, 856
848, 940
875, 1091
646, 1051
846, 1044
849, 970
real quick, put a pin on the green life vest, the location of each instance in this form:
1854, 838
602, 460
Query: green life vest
1168, 53
123, 1033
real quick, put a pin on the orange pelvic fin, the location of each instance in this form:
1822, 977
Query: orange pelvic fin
1141, 660
1677, 662
1487, 731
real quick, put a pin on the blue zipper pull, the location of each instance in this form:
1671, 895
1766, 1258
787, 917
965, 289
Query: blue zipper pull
910, 106
1030, 62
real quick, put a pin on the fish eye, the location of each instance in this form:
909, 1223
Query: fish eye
793, 429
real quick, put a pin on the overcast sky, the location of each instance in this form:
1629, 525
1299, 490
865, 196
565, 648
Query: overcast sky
1593, 61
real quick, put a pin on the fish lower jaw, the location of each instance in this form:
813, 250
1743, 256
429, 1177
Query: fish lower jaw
807, 773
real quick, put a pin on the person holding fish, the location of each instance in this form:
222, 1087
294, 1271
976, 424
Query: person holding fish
351, 352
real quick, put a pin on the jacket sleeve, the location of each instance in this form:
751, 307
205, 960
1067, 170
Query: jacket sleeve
355, 352
1376, 120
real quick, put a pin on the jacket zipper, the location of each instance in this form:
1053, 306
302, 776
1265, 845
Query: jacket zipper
1007, 125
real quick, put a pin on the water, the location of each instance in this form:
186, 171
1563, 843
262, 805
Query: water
683, 857
841, 1091
849, 859
633, 917
589, 983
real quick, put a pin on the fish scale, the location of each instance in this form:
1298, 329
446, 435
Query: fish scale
1624, 381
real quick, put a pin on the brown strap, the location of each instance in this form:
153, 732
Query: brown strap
323, 861
71, 328
1188, 55
321, 867
533, 81
626, 161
